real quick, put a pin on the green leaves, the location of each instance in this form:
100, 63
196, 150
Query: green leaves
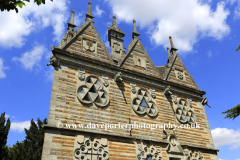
233, 112
4, 129
237, 48
14, 4
19, 4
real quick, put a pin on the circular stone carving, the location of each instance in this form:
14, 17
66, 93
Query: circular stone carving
143, 103
183, 114
92, 92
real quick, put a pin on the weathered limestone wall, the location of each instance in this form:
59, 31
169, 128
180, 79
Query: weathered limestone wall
67, 109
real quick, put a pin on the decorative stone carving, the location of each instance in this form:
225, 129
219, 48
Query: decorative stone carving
153, 93
105, 81
81, 75
118, 77
88, 46
180, 75
133, 86
174, 98
144, 104
167, 91
53, 61
183, 112
93, 92
117, 47
87, 148
148, 150
174, 145
205, 102
190, 102
195, 155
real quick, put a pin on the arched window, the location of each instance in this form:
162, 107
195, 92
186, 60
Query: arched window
139, 62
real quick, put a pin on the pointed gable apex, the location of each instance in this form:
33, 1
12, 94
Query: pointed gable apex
86, 41
175, 70
138, 60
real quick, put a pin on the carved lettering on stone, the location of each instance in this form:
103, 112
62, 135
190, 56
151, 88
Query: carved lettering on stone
144, 104
145, 151
88, 46
93, 92
87, 148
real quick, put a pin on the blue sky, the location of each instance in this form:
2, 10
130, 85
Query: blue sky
205, 32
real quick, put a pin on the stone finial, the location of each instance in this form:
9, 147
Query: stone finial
114, 22
134, 25
72, 17
71, 23
173, 49
135, 33
168, 52
89, 8
89, 15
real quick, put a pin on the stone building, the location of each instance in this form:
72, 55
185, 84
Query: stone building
117, 106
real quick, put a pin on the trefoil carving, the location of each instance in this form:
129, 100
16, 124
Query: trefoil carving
93, 92
144, 104
183, 111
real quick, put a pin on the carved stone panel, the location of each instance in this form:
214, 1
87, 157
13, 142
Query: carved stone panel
88, 148
139, 61
180, 75
144, 151
89, 46
143, 103
92, 91
183, 110
174, 145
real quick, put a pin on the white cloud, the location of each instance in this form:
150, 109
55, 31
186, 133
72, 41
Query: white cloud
98, 12
2, 68
19, 126
31, 58
209, 53
237, 10
186, 22
7, 116
49, 74
16, 26
225, 136
78, 19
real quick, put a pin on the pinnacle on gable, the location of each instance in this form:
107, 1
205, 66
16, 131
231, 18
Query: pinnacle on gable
115, 27
89, 15
135, 33
71, 23
173, 49
168, 52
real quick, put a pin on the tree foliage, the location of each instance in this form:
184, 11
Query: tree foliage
233, 112
31, 147
13, 4
4, 129
237, 48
